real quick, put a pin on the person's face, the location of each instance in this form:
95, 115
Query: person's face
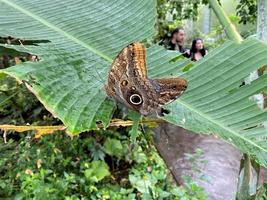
180, 36
199, 44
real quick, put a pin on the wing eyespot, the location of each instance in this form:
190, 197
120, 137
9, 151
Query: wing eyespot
136, 99
124, 83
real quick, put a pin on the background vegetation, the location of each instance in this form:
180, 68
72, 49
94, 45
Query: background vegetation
118, 163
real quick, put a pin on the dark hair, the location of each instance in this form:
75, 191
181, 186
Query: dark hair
176, 30
193, 49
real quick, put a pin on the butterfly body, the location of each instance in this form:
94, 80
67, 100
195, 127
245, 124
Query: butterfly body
128, 83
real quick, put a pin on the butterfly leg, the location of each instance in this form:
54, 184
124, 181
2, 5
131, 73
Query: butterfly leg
163, 111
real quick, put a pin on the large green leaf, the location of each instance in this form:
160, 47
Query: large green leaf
85, 37
215, 101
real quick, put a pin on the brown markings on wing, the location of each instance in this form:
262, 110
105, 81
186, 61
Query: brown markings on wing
128, 71
117, 72
138, 77
138, 53
128, 75
169, 89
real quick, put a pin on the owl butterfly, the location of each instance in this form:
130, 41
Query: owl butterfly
128, 83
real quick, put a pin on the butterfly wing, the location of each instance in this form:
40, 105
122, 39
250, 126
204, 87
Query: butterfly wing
137, 60
117, 73
128, 77
169, 89
128, 83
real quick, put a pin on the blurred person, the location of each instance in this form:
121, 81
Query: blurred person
197, 50
176, 41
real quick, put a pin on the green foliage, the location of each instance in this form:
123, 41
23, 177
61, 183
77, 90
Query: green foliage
66, 82
216, 104
75, 60
19, 106
58, 167
245, 30
97, 170
96, 165
215, 38
113, 147
247, 11
262, 192
171, 13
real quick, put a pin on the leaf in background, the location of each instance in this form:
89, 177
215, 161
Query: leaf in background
84, 38
215, 101
134, 132
142, 184
113, 147
97, 170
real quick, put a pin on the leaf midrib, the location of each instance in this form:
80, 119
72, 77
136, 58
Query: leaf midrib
218, 124
56, 29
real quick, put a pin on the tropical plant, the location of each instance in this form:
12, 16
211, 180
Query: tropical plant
247, 11
86, 167
77, 45
172, 13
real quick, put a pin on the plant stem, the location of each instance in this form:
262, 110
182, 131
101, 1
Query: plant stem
230, 29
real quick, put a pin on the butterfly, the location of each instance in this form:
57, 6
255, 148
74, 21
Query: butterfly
129, 84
